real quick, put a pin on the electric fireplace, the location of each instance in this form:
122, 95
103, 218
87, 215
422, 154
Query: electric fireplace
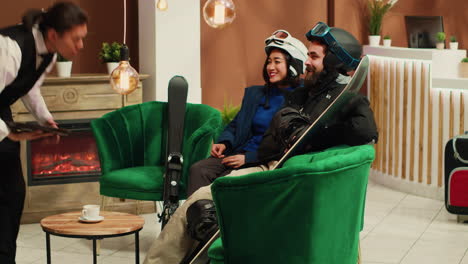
73, 159
62, 178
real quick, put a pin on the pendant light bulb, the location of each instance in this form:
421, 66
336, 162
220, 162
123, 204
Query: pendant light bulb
162, 5
219, 13
124, 79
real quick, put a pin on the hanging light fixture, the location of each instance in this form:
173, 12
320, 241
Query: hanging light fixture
162, 5
124, 79
219, 13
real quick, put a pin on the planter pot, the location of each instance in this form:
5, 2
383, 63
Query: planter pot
111, 66
464, 69
453, 45
374, 40
64, 68
440, 45
387, 42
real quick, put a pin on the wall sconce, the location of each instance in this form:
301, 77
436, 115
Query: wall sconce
162, 5
124, 79
219, 13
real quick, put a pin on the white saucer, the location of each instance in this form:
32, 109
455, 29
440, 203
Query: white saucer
95, 220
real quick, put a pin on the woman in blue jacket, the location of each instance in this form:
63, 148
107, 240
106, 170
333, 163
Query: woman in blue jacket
237, 145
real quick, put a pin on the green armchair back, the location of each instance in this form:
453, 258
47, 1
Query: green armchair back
131, 143
309, 211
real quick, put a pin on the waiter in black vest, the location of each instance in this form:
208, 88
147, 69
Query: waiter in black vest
27, 53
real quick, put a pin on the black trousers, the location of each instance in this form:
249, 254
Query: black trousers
204, 172
12, 194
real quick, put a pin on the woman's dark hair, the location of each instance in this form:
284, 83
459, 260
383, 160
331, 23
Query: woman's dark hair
61, 17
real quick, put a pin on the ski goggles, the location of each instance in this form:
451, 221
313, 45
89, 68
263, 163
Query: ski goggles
279, 37
322, 31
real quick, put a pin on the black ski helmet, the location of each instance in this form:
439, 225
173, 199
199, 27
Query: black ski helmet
344, 54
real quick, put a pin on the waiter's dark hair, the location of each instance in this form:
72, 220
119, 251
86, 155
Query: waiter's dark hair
61, 17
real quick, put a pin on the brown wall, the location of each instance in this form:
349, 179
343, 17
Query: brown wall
351, 15
105, 25
232, 58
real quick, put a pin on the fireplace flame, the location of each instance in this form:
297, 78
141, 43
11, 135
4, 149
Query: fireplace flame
74, 156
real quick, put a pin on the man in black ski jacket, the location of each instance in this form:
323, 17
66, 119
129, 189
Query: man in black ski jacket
353, 125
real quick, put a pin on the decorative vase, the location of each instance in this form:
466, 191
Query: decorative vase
387, 42
464, 69
111, 66
440, 45
453, 45
374, 40
64, 68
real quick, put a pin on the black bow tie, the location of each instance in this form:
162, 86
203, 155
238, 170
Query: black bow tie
46, 55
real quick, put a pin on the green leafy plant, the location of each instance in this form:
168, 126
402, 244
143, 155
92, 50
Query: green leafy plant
387, 37
464, 60
60, 58
453, 39
377, 10
440, 36
110, 52
228, 112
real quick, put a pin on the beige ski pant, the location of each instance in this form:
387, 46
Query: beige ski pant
174, 242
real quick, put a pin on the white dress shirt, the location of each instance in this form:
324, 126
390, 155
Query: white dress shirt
10, 62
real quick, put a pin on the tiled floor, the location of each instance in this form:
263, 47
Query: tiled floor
403, 228
399, 228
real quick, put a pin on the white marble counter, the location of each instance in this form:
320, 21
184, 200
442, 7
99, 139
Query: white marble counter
445, 63
450, 83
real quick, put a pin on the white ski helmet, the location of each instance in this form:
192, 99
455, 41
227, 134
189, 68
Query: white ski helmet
281, 39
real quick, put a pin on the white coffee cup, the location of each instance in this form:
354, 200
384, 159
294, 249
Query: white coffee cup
90, 211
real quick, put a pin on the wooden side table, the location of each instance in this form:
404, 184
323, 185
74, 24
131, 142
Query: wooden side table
114, 224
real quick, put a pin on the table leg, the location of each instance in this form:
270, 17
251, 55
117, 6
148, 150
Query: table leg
94, 252
98, 247
137, 248
48, 247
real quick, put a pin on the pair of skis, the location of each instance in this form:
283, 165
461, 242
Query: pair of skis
200, 256
177, 100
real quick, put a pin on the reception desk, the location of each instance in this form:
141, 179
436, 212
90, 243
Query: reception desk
419, 104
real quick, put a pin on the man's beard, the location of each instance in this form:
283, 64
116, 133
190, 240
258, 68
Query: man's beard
311, 79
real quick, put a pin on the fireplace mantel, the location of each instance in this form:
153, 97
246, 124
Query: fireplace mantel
83, 78
84, 96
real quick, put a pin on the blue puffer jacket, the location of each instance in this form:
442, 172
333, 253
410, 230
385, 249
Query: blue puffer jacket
239, 131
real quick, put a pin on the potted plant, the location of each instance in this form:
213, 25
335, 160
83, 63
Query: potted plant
110, 54
64, 66
453, 44
464, 68
377, 10
228, 112
387, 41
440, 37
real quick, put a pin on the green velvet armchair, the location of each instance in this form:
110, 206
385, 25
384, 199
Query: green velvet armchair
309, 211
131, 143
